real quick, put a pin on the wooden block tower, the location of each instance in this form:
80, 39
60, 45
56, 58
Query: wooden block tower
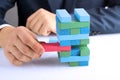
73, 31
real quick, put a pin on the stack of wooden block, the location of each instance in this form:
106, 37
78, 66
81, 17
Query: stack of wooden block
73, 32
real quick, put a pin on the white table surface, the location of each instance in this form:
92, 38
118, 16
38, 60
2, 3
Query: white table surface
104, 64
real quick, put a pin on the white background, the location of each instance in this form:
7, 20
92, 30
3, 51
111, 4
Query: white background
104, 64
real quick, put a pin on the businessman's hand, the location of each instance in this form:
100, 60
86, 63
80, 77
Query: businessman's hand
42, 22
20, 45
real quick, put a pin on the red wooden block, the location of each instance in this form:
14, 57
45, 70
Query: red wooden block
49, 47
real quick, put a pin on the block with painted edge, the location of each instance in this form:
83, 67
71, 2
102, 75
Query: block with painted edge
79, 42
64, 54
84, 41
63, 31
75, 31
83, 63
73, 63
84, 51
72, 37
84, 30
63, 15
50, 47
47, 39
73, 24
81, 15
75, 42
65, 43
74, 58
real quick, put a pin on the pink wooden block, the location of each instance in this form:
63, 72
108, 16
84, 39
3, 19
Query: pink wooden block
49, 47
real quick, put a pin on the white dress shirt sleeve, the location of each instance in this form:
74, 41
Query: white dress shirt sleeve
4, 25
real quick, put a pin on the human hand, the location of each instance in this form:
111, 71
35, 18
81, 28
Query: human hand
42, 22
20, 45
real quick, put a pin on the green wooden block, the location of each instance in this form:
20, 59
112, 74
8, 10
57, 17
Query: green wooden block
75, 31
73, 25
73, 63
84, 41
84, 51
64, 54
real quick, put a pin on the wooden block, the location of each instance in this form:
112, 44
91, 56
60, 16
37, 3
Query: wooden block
84, 41
63, 15
74, 59
75, 42
81, 14
75, 31
83, 63
84, 51
72, 37
73, 63
49, 47
73, 24
75, 51
64, 54
84, 30
65, 43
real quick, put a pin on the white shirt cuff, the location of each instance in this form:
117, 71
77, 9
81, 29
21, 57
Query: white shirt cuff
4, 25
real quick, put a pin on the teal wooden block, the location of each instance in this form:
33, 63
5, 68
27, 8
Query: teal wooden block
84, 30
65, 43
81, 15
74, 59
75, 42
75, 51
63, 15
83, 63
73, 37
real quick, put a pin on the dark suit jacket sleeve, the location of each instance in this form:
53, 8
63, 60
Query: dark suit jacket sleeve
4, 6
105, 20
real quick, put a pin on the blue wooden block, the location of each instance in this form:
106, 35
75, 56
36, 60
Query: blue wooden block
64, 32
53, 40
75, 51
74, 59
81, 14
50, 39
83, 63
65, 43
84, 30
61, 31
75, 42
63, 15
73, 37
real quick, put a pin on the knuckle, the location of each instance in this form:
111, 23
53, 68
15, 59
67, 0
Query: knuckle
40, 10
34, 45
20, 57
29, 20
27, 52
24, 50
26, 40
19, 29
